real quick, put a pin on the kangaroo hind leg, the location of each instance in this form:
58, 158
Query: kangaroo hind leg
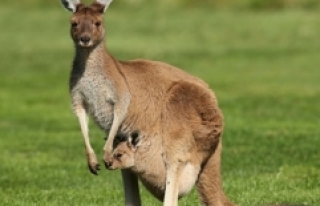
209, 184
175, 162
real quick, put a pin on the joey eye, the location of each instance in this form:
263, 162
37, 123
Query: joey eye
118, 155
98, 23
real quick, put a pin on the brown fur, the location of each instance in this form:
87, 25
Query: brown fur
177, 115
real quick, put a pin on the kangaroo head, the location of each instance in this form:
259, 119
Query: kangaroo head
86, 27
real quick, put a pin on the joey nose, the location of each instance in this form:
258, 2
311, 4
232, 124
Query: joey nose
108, 164
85, 39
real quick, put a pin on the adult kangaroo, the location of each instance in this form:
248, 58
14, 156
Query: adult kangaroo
173, 111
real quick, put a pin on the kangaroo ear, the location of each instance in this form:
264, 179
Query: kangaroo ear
71, 5
104, 3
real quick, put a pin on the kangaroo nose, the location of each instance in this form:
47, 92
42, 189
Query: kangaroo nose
85, 39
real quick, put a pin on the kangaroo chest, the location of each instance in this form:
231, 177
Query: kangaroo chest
96, 93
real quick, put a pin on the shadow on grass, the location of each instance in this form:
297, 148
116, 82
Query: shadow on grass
288, 205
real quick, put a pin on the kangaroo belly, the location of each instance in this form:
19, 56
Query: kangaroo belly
98, 97
155, 182
101, 113
149, 166
188, 178
151, 170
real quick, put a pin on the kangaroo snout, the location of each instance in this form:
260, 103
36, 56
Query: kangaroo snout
85, 40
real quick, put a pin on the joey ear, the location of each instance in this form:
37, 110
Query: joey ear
135, 138
70, 5
104, 3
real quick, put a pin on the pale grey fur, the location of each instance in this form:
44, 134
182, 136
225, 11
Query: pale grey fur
85, 88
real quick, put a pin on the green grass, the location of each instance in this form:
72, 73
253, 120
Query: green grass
263, 66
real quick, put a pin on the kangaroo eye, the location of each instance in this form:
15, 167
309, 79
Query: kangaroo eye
74, 24
118, 155
98, 23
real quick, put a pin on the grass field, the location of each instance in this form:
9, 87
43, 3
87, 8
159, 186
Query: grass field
263, 66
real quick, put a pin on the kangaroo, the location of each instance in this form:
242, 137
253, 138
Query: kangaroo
176, 114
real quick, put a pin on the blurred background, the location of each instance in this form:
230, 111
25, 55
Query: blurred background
260, 57
214, 4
